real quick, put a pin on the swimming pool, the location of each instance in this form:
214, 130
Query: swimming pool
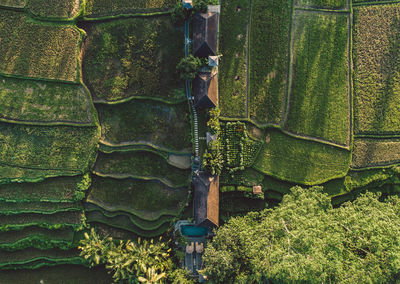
193, 231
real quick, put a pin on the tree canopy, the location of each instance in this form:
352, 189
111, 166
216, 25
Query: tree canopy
306, 239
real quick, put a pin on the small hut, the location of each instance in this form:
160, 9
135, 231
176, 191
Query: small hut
213, 61
188, 4
205, 90
205, 34
206, 200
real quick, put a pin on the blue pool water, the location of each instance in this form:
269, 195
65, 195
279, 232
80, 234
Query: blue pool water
193, 231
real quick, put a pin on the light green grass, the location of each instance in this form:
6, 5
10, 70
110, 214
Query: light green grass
163, 125
375, 152
300, 161
96, 8
10, 208
35, 101
333, 4
149, 197
41, 147
141, 164
62, 9
233, 65
376, 52
32, 49
319, 99
133, 57
31, 254
269, 44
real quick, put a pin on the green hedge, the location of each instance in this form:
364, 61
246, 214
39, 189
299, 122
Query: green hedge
96, 8
320, 93
11, 208
376, 52
143, 121
269, 45
33, 49
233, 45
141, 164
40, 102
119, 64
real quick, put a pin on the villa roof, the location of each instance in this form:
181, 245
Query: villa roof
206, 199
205, 34
205, 90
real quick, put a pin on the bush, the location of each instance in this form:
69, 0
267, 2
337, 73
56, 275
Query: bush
188, 67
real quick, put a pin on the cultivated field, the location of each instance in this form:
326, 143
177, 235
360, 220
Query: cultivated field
119, 64
376, 52
39, 102
56, 9
332, 4
13, 3
34, 49
320, 92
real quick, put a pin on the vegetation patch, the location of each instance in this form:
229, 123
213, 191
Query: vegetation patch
133, 57
36, 237
320, 98
41, 147
269, 59
150, 198
375, 152
376, 52
40, 102
301, 161
141, 164
52, 221
59, 9
233, 45
60, 189
31, 49
13, 3
133, 122
332, 4
97, 8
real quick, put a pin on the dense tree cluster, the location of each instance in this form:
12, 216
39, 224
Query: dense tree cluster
306, 239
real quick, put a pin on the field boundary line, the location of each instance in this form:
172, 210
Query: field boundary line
316, 139
377, 136
376, 166
123, 16
161, 100
248, 59
321, 10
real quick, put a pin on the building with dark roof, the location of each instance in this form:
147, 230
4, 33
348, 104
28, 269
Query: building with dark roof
205, 90
206, 199
205, 34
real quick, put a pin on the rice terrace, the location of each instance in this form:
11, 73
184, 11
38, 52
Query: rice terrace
176, 141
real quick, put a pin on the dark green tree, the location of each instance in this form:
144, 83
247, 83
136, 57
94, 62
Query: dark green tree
304, 239
188, 67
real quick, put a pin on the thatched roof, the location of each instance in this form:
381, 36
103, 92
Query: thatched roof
205, 34
205, 90
206, 199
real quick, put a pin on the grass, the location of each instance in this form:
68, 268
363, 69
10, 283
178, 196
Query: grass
133, 57
141, 164
247, 177
269, 45
375, 152
233, 65
107, 7
10, 208
33, 49
60, 189
13, 3
300, 161
333, 4
41, 147
52, 221
148, 197
162, 125
44, 102
319, 99
31, 254
376, 52
64, 9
